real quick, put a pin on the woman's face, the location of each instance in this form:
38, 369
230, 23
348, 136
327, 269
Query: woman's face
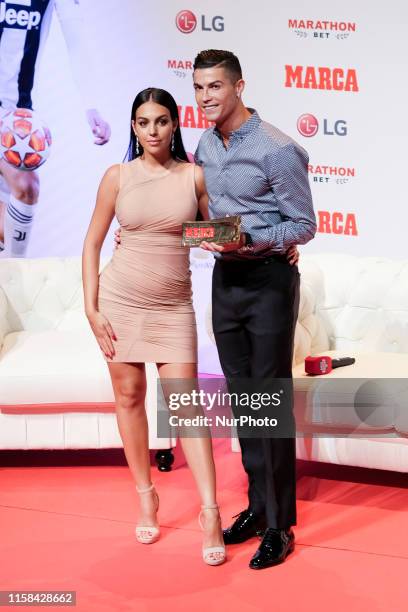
154, 128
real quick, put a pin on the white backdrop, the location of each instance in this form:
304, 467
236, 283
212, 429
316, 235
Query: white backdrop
357, 156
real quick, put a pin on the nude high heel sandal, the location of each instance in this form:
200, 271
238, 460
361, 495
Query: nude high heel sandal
146, 534
212, 555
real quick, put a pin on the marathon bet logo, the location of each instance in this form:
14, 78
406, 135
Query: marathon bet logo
322, 173
321, 77
322, 29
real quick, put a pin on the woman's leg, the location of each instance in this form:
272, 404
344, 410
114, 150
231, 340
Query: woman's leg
199, 456
129, 387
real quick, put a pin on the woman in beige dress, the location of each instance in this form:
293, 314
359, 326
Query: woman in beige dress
140, 307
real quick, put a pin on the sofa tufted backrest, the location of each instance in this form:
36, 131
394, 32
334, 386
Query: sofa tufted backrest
40, 294
311, 335
363, 301
347, 303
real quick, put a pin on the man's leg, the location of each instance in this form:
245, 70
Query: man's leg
20, 208
271, 322
234, 351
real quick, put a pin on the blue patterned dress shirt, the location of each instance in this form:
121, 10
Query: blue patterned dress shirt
263, 176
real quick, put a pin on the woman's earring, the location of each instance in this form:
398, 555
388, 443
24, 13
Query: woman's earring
172, 143
137, 146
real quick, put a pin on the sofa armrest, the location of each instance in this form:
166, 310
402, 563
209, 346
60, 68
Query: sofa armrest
4, 325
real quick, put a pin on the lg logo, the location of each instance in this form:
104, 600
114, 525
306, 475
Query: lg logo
186, 22
308, 126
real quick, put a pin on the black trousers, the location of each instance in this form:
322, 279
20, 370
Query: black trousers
254, 311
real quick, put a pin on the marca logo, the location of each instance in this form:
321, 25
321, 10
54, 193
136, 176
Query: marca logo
180, 67
18, 18
180, 64
186, 22
322, 29
337, 223
326, 174
193, 117
308, 126
310, 77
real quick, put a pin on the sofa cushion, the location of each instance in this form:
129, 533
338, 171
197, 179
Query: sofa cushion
369, 396
61, 369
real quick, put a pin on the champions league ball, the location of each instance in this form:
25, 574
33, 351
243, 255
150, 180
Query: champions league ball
24, 139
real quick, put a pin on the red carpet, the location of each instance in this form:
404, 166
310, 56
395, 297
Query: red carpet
71, 527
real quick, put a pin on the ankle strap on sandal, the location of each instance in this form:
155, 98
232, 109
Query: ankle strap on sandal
147, 490
210, 507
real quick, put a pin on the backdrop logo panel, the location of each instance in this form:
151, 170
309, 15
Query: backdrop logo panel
321, 77
325, 57
186, 22
323, 173
308, 126
180, 67
339, 223
321, 29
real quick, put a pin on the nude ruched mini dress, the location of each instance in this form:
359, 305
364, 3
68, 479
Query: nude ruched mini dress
145, 290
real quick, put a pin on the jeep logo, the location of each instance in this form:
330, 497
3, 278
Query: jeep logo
19, 19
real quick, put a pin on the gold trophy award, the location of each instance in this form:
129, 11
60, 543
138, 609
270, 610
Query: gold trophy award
221, 231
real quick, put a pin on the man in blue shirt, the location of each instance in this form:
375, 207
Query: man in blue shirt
254, 170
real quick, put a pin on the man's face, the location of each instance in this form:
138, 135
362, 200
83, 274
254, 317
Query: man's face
215, 93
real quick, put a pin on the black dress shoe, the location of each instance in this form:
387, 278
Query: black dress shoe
247, 525
276, 545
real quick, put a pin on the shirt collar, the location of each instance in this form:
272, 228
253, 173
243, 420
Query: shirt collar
244, 129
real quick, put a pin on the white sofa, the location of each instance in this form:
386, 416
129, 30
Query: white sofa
360, 309
357, 307
55, 390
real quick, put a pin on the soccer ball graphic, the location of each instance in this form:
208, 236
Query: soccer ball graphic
24, 139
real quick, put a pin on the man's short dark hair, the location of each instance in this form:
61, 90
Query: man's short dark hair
221, 59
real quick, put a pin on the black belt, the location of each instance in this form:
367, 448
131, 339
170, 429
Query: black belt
255, 260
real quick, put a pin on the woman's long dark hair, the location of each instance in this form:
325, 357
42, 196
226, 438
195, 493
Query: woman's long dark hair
164, 98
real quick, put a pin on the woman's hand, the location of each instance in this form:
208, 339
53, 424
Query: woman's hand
292, 255
104, 333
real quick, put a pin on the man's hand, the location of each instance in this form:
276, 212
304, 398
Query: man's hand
117, 238
223, 248
292, 255
100, 128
